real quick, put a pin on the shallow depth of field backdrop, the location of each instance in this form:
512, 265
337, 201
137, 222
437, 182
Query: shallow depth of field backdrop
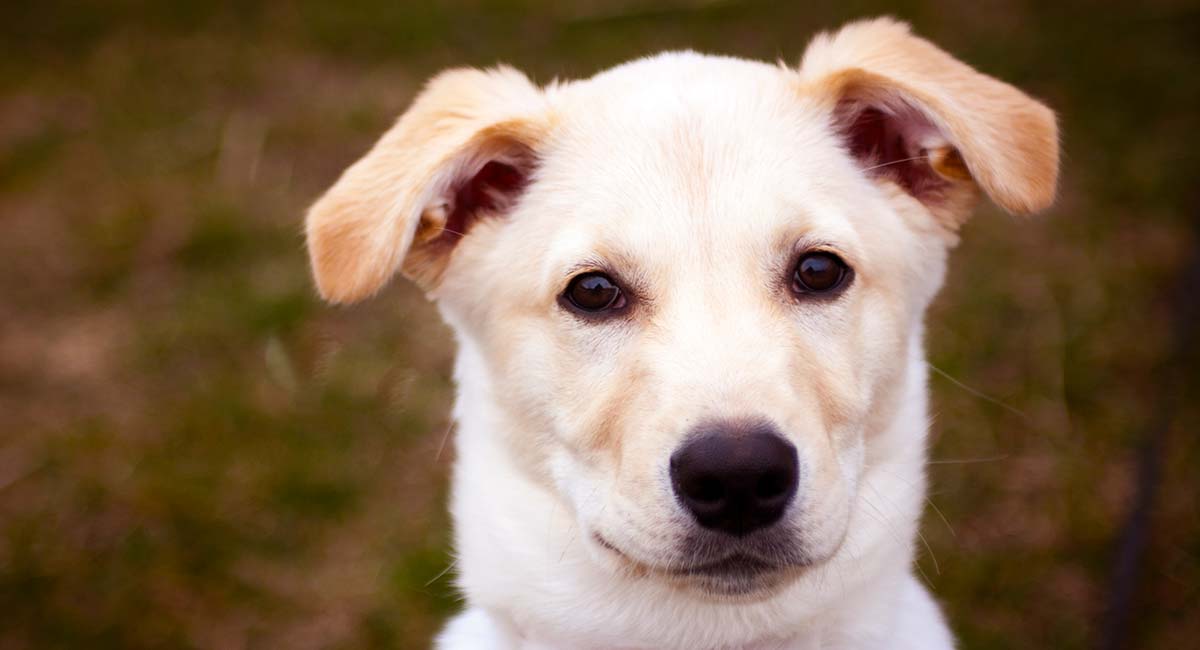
195, 453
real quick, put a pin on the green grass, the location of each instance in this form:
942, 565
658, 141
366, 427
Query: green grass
194, 452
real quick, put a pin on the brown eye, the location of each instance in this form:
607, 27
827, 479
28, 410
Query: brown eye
594, 292
819, 272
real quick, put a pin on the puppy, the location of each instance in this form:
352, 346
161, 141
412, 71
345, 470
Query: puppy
688, 298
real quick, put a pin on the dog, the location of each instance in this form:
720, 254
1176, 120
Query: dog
688, 298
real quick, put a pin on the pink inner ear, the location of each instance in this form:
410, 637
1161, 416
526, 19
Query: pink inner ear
495, 187
890, 142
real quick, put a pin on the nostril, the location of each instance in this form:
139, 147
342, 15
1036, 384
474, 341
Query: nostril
772, 485
706, 489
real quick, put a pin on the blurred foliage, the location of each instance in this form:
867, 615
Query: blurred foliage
195, 453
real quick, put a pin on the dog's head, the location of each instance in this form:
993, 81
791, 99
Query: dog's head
695, 283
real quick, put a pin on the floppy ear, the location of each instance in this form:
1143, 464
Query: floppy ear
464, 150
911, 113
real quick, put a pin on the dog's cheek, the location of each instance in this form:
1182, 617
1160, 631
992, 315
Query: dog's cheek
826, 514
593, 373
569, 383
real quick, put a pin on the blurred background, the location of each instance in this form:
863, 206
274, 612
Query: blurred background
195, 453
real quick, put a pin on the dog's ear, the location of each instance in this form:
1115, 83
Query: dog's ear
464, 150
912, 113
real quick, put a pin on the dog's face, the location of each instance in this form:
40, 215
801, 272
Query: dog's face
684, 265
694, 281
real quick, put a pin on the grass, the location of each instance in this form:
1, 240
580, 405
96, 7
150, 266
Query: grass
195, 453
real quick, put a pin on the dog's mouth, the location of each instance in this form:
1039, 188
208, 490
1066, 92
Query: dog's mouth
736, 574
736, 566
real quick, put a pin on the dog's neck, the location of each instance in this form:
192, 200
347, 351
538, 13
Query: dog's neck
522, 557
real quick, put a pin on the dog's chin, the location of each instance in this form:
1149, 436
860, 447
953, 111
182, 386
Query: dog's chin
740, 576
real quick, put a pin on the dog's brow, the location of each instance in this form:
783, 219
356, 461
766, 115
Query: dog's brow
611, 261
808, 242
588, 264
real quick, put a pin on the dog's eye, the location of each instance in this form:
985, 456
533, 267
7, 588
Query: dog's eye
819, 272
594, 292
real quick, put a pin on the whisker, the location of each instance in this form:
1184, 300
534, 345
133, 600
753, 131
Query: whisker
936, 566
894, 162
445, 437
983, 396
453, 232
570, 540
928, 498
443, 572
942, 517
933, 556
572, 530
881, 518
967, 461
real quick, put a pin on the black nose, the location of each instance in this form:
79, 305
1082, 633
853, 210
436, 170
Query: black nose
735, 477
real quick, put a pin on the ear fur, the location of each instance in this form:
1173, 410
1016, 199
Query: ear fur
962, 124
465, 145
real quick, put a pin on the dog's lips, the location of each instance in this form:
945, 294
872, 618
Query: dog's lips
735, 566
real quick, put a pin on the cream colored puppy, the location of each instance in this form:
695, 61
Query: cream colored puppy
688, 296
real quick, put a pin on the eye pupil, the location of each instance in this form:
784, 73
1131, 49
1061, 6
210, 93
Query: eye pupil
594, 292
819, 273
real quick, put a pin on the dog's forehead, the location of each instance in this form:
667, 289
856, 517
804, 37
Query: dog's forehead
688, 150
677, 107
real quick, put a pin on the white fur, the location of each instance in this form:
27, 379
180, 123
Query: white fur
544, 589
697, 180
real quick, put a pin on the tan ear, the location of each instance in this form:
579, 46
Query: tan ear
463, 150
915, 114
